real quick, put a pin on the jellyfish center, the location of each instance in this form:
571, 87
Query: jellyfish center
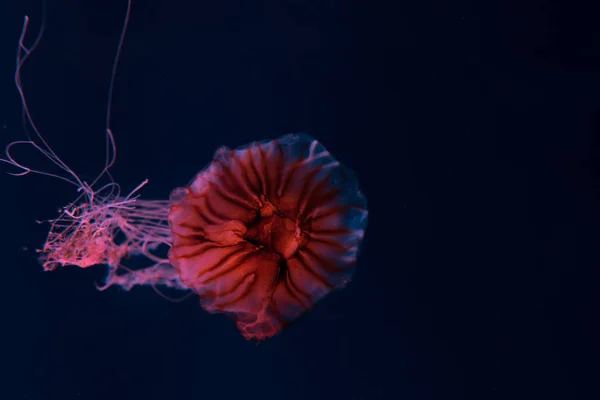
273, 231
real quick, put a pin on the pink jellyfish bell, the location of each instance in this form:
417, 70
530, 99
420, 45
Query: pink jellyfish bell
266, 230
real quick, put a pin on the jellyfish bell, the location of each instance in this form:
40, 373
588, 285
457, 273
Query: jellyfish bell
266, 230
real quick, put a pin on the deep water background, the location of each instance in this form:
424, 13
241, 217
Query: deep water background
473, 131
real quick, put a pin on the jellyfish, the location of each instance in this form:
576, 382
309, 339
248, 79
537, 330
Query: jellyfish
260, 234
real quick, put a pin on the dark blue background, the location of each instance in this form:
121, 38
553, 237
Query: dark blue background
473, 131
